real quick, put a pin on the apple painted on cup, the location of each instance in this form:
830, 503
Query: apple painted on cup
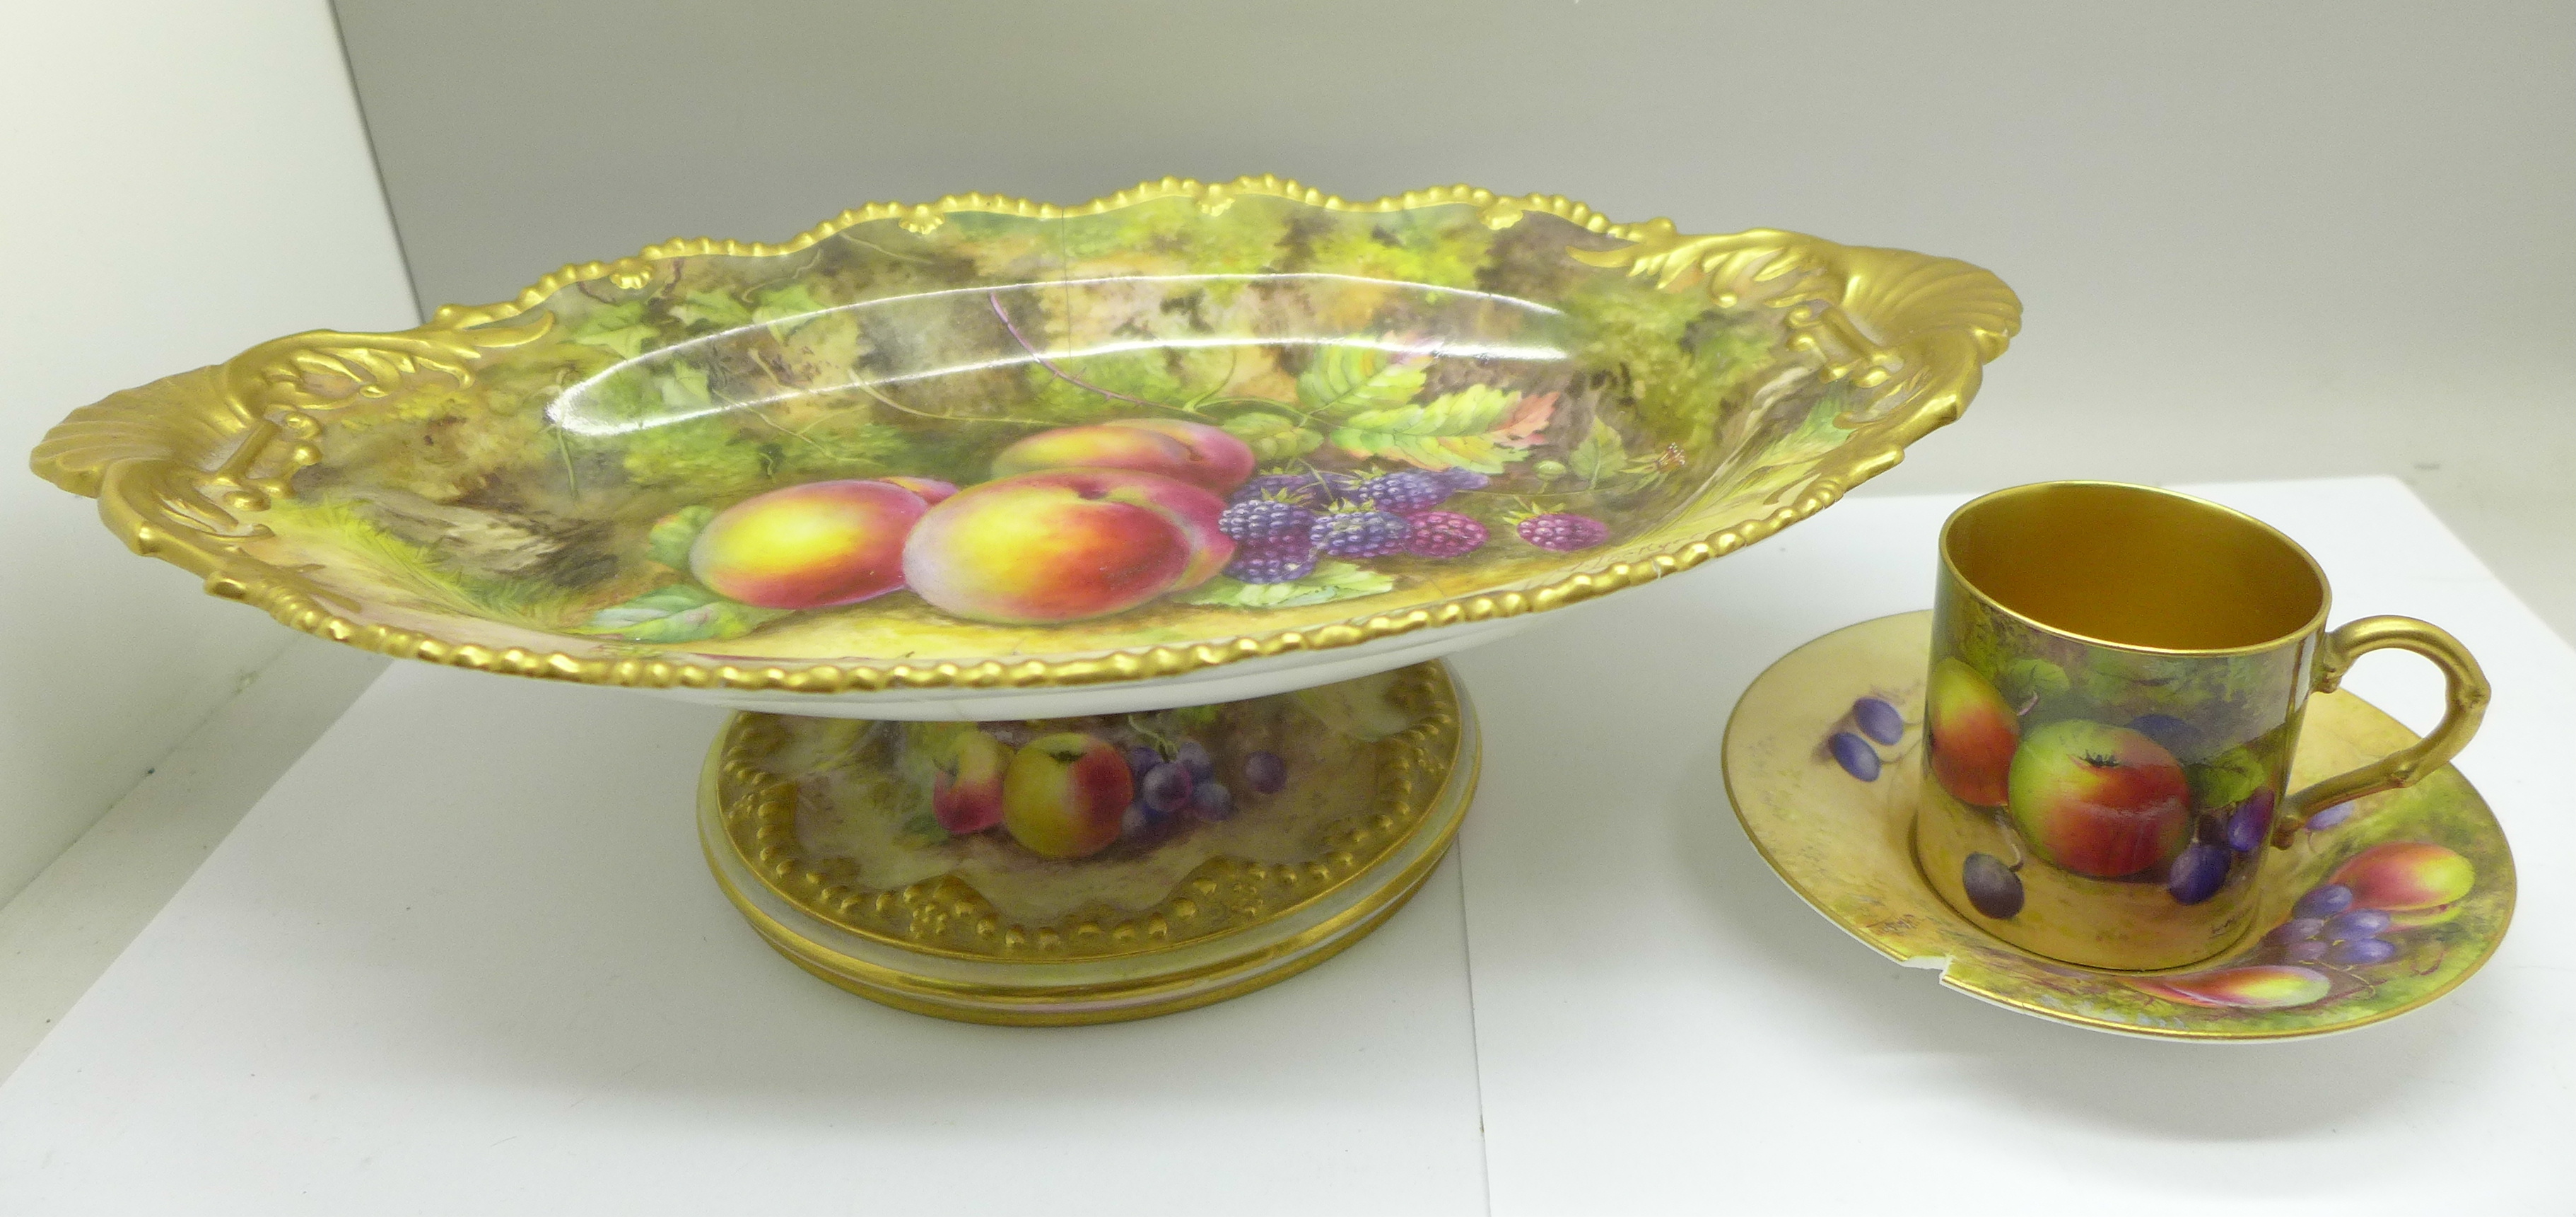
808, 546
2099, 800
1065, 544
1970, 734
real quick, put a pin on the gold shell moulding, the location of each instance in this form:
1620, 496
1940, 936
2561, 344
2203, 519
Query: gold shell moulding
979, 448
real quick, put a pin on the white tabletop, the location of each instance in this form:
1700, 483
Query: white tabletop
466, 958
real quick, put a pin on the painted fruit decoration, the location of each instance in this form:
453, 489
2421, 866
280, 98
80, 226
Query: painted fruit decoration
1970, 733
1065, 544
2415, 881
1084, 785
2099, 800
809, 546
2251, 987
1064, 795
966, 793
1075, 522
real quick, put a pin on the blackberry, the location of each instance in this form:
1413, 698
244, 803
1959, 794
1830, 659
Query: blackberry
1266, 522
1272, 565
1443, 534
1303, 489
1462, 479
1402, 493
1563, 531
1354, 532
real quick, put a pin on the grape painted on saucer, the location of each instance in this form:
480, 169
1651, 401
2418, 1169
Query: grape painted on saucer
1855, 755
1991, 886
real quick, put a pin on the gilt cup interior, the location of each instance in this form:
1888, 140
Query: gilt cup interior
2135, 566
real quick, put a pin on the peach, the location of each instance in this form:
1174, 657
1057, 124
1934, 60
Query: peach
1202, 456
931, 490
1221, 461
1969, 734
1064, 794
2254, 987
1064, 544
2405, 876
966, 794
801, 547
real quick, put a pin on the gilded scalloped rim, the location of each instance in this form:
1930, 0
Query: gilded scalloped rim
143, 453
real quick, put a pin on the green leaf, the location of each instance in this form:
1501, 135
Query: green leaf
1479, 427
1331, 581
682, 612
712, 308
619, 328
1346, 380
1272, 437
2228, 779
673, 534
1600, 455
789, 302
2028, 680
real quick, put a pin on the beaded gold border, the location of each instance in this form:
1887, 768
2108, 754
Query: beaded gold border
175, 464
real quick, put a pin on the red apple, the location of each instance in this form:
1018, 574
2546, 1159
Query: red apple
1064, 794
2099, 800
1219, 461
808, 546
966, 794
1202, 456
1969, 734
1065, 544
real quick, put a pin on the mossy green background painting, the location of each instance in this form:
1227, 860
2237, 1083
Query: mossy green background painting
2377, 907
1470, 409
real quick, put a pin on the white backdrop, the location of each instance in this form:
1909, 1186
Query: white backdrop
166, 160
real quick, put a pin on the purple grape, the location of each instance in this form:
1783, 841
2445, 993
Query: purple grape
2297, 929
1855, 755
2359, 951
2305, 952
1402, 493
1443, 534
1194, 757
1141, 761
1212, 801
1992, 886
1166, 788
2323, 902
1267, 523
2198, 873
2357, 924
1878, 720
2251, 823
2330, 817
1360, 534
1137, 820
1563, 531
1265, 772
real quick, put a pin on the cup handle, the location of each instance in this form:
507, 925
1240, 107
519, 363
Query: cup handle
2466, 704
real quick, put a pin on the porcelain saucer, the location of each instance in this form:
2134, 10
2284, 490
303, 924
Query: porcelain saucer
2331, 950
